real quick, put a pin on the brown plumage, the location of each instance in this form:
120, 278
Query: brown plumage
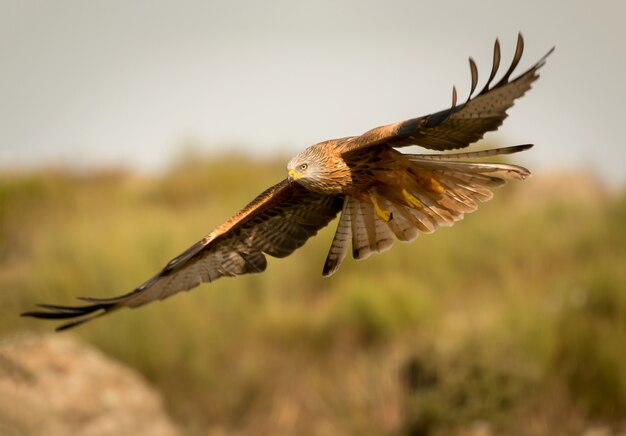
382, 195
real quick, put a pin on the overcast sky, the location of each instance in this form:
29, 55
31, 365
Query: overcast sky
98, 83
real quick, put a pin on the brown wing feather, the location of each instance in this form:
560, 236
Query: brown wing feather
277, 222
462, 125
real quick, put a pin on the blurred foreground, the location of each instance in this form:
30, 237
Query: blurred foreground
511, 322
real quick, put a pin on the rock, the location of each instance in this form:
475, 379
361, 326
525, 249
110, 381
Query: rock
55, 385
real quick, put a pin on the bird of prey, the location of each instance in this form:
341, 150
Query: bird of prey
380, 193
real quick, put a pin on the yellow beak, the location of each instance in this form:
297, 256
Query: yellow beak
293, 175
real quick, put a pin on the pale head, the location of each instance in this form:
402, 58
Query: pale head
319, 169
306, 168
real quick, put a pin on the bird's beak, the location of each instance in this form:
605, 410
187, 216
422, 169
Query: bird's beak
292, 175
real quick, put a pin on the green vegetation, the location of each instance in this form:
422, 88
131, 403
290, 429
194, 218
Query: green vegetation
514, 319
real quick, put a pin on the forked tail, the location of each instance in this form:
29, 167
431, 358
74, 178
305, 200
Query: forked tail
445, 188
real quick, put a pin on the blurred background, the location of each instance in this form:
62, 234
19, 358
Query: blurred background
130, 129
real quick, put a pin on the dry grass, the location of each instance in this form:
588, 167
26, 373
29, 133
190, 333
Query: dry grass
514, 319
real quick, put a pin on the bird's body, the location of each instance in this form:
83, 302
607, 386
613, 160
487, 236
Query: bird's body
380, 193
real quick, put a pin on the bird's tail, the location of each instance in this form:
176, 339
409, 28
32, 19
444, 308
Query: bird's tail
446, 187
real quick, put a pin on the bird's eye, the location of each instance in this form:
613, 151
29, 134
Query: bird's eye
303, 167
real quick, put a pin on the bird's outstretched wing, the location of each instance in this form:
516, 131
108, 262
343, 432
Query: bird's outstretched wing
277, 222
461, 125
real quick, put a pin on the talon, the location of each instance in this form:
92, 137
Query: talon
383, 214
411, 199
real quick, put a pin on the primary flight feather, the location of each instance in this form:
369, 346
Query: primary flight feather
381, 193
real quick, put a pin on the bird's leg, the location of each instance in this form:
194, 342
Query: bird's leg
411, 200
383, 214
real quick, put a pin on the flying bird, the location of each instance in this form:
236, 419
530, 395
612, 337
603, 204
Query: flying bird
380, 193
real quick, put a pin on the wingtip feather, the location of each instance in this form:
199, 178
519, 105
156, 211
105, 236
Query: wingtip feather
81, 314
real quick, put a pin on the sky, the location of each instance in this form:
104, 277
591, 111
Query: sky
134, 83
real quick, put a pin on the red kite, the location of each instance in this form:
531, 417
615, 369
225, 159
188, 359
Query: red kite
380, 192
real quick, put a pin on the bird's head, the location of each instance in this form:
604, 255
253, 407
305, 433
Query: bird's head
305, 168
319, 170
